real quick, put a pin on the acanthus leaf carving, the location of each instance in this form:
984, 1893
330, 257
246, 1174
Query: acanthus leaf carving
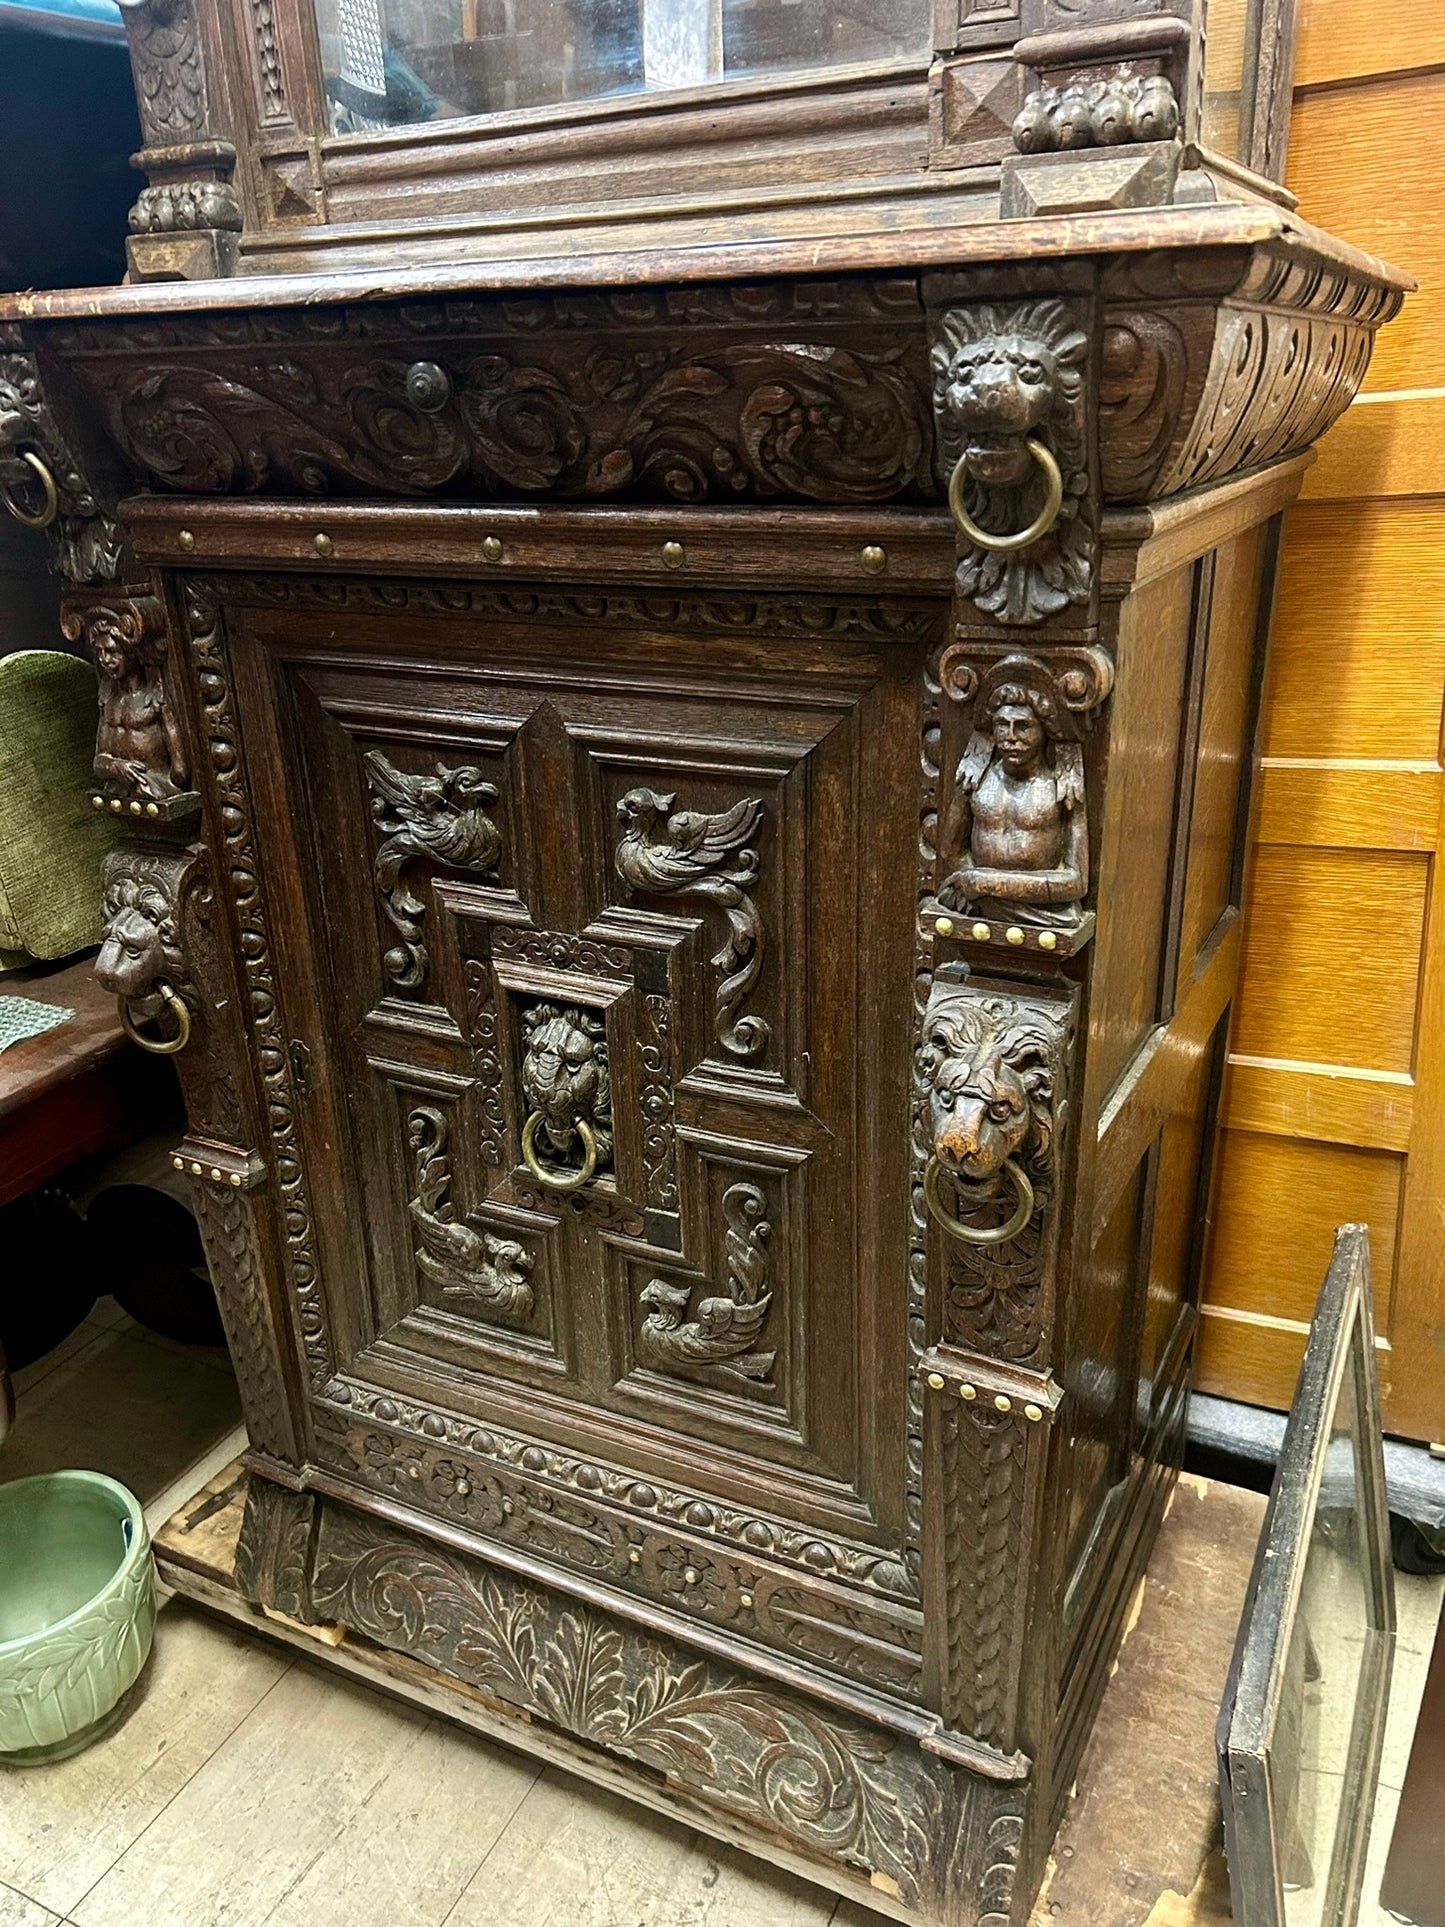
477, 1267
845, 1789
720, 1338
710, 858
1003, 377
439, 819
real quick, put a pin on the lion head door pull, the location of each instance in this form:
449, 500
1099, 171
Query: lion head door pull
567, 1137
140, 959
991, 1070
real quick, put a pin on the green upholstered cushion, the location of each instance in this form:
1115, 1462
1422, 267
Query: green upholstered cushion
52, 842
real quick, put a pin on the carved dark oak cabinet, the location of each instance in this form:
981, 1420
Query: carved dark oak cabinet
680, 592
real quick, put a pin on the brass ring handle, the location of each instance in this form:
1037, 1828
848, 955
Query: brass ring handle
556, 1180
42, 474
161, 1046
1042, 522
971, 1234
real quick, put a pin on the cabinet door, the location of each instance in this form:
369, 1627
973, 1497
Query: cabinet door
600, 972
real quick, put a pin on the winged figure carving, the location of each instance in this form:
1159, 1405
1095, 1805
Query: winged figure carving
477, 1265
440, 819
710, 858
718, 1339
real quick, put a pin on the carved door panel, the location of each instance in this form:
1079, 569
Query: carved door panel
602, 977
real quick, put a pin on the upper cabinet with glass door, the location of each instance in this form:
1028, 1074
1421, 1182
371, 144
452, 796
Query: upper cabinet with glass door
311, 134
389, 63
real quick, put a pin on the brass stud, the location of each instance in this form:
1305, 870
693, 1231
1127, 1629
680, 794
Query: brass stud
135, 809
116, 805
673, 555
935, 1380
215, 1174
492, 548
1014, 934
179, 1163
464, 1488
508, 1507
1049, 940
97, 802
236, 1179
323, 544
413, 1471
944, 926
1003, 1403
875, 559
195, 1170
185, 540
746, 1599
689, 1576
153, 809
981, 933
634, 1557
968, 1391
1033, 1413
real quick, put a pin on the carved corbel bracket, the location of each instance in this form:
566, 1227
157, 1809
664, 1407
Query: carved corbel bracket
991, 1090
142, 767
41, 481
1014, 836
1012, 446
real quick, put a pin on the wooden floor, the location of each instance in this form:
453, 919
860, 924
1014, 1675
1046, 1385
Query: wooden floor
250, 1787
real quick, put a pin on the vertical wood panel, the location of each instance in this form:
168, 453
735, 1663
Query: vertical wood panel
1334, 1103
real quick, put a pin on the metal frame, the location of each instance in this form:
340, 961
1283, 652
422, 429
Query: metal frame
1341, 1341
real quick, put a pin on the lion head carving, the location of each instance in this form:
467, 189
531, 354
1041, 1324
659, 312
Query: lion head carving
565, 1074
990, 1069
141, 945
1001, 375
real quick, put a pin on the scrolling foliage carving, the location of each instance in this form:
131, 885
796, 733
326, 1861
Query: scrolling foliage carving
439, 819
844, 1789
1003, 375
477, 1266
719, 1338
577, 420
687, 853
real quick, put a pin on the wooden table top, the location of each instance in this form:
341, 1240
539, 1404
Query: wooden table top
37, 1065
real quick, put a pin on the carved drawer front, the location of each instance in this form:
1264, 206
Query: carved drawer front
600, 981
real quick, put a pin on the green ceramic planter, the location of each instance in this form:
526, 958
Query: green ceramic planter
77, 1611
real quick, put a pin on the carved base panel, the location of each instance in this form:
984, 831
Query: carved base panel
881, 1814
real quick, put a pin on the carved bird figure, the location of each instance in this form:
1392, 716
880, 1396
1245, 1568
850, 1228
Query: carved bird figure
476, 1265
718, 1337
689, 850
439, 816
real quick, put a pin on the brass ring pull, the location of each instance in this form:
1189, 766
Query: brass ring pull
161, 1046
1042, 522
971, 1234
42, 474
557, 1180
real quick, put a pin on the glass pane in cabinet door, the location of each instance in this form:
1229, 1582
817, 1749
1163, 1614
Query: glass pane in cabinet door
389, 62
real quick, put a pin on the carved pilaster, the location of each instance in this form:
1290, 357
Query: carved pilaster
987, 1446
184, 225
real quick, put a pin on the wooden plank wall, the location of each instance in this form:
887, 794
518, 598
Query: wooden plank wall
1334, 1107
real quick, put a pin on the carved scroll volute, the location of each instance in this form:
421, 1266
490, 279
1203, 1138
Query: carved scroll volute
992, 1098
1013, 450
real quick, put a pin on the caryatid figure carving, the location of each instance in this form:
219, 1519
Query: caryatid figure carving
1017, 825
